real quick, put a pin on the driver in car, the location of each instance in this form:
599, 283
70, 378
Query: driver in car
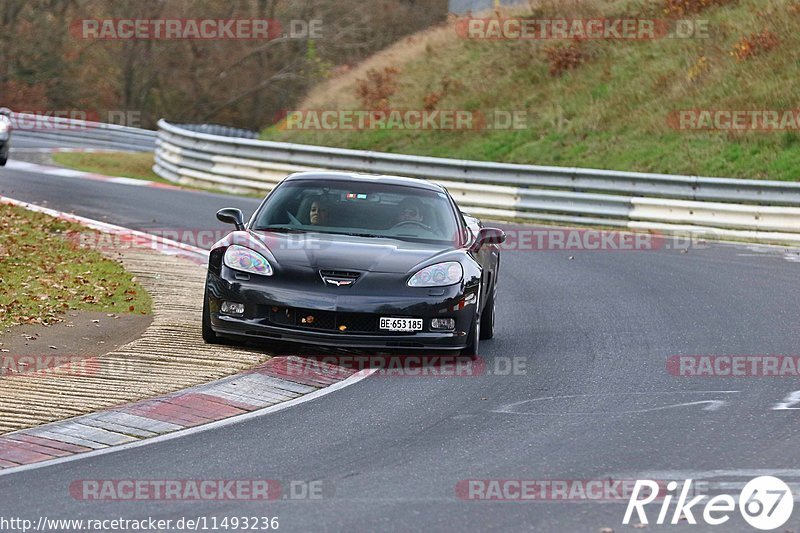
410, 211
318, 213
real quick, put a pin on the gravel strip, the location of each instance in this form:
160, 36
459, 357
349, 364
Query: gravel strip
170, 356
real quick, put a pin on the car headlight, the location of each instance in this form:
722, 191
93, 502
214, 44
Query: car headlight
244, 259
438, 275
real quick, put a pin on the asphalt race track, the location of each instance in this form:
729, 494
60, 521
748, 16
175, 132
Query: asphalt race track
26, 141
595, 400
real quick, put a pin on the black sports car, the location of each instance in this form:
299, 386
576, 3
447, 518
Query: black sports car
355, 261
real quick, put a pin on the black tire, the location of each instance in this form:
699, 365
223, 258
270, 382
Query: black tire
208, 334
3, 161
488, 315
473, 340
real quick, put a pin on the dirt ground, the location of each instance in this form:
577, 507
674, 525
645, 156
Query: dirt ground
82, 334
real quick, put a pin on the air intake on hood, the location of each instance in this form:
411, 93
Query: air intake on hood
346, 274
339, 278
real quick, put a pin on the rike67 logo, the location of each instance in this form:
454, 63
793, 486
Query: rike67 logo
766, 503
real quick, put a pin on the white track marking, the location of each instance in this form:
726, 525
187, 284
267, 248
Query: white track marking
24, 166
792, 399
711, 405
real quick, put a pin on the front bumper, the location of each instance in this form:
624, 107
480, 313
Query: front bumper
277, 313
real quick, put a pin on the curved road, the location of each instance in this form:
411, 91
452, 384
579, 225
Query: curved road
595, 400
46, 137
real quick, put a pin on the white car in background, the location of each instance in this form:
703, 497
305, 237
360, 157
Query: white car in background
5, 134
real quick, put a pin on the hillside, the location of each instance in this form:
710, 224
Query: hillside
592, 103
232, 77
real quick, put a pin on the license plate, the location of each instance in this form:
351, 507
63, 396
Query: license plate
400, 324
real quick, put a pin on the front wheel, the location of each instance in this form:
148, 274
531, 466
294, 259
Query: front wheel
208, 334
488, 316
473, 340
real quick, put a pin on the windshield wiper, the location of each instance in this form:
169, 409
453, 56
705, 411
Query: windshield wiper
350, 233
372, 235
281, 229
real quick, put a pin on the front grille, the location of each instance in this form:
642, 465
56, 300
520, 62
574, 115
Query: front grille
340, 274
339, 278
314, 319
357, 321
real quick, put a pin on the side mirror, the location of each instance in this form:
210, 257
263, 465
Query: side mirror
488, 236
231, 215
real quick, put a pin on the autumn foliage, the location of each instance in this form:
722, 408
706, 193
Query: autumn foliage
244, 83
680, 8
50, 273
374, 91
564, 58
755, 44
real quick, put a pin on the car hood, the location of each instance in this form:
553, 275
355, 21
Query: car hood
345, 252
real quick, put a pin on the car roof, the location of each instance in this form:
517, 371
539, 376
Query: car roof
371, 178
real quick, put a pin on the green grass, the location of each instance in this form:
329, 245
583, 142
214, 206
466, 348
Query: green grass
127, 165
611, 112
44, 272
130, 165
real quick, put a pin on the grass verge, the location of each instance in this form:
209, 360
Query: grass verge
127, 165
138, 165
44, 272
613, 109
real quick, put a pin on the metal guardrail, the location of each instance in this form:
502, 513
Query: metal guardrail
65, 132
763, 211
216, 129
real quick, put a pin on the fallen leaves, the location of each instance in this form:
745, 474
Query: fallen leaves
46, 272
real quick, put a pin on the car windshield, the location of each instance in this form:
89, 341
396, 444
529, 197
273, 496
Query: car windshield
359, 208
